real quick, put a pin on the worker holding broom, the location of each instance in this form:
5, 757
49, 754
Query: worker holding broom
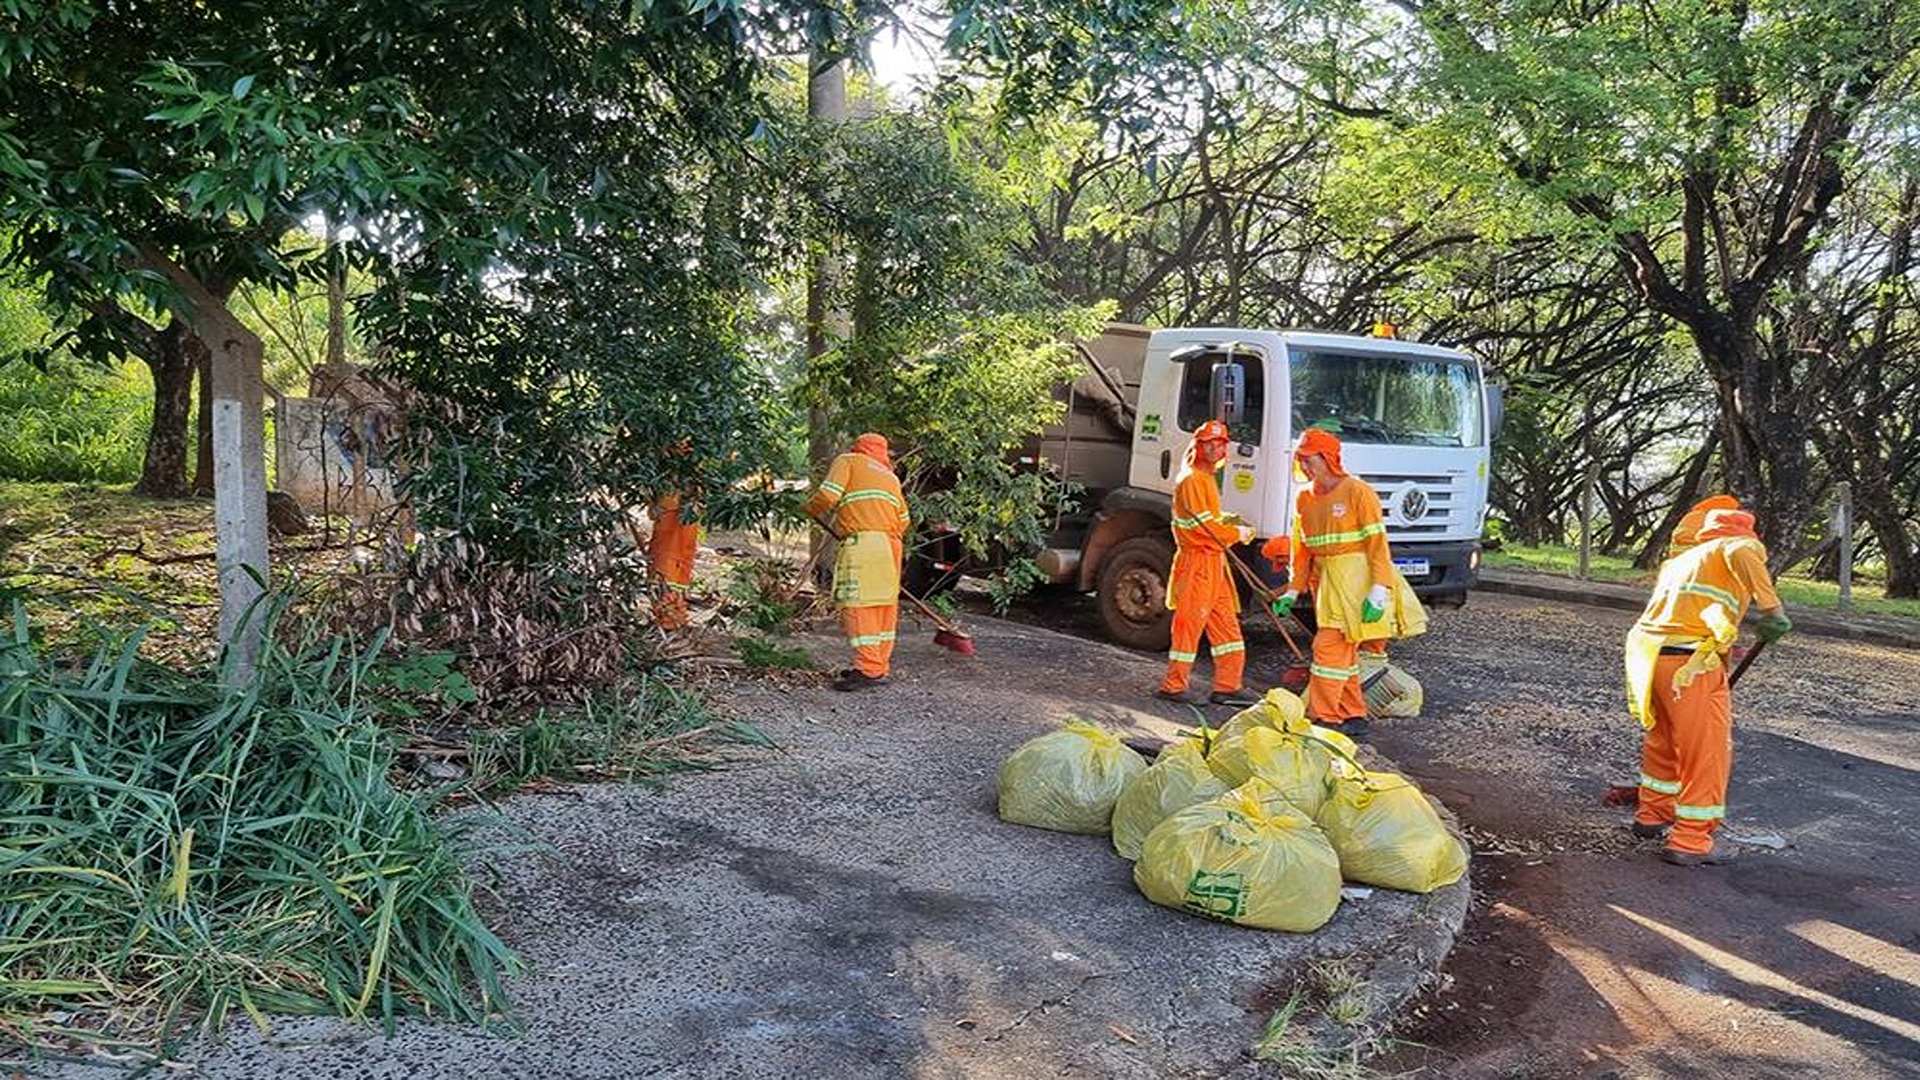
1201, 591
1677, 684
860, 503
1338, 551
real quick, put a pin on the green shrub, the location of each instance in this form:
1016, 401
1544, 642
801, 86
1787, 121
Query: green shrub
167, 846
73, 423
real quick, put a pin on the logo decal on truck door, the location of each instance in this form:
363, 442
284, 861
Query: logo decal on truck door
1150, 426
1243, 480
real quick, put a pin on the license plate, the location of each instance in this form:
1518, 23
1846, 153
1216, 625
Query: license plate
1413, 567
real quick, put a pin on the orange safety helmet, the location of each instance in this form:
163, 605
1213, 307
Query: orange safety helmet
1212, 431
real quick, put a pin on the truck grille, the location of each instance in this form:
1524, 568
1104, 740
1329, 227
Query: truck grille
1419, 505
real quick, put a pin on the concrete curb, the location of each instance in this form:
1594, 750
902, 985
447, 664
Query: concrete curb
1868, 629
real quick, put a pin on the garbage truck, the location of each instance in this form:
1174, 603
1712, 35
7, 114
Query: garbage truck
1416, 420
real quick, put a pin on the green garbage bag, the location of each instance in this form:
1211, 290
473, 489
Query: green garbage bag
1298, 766
1067, 780
1177, 779
1248, 857
1388, 834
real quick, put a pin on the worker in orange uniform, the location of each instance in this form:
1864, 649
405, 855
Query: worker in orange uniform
1677, 681
1338, 551
670, 555
868, 514
1200, 591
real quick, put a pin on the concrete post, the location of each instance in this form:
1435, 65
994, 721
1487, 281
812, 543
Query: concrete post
240, 496
1843, 531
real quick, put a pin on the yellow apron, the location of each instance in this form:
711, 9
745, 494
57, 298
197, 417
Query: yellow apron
1344, 582
1643, 653
864, 573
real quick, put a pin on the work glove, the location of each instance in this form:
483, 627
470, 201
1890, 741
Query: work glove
1374, 607
1245, 532
1772, 628
1283, 604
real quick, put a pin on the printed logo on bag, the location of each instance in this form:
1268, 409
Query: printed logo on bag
1339, 509
1216, 895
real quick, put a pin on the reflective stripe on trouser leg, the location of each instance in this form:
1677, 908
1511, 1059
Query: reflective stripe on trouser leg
1228, 648
1333, 691
870, 630
1658, 767
1701, 726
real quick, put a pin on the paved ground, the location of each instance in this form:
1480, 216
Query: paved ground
1590, 958
1587, 956
853, 908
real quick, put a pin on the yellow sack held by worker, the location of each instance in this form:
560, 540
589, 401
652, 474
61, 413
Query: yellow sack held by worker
1298, 766
1388, 834
1176, 780
1389, 690
1248, 857
1067, 780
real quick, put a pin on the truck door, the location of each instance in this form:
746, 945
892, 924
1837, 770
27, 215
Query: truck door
1243, 483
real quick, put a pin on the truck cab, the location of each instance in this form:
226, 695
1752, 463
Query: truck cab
1416, 422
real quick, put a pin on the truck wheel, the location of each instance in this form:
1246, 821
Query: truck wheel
1132, 593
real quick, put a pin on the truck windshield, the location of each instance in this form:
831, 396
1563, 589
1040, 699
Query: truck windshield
1376, 398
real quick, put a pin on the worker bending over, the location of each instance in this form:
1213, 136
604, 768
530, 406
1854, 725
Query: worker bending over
1200, 590
1677, 681
860, 503
1338, 551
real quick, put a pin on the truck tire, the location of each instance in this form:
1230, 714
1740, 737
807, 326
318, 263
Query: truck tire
1132, 593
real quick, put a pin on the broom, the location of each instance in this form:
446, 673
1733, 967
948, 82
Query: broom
1295, 675
946, 635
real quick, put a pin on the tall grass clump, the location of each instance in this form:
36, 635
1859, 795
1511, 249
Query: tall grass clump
170, 850
73, 423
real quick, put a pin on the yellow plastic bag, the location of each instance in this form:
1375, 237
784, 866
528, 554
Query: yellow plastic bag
1247, 857
1279, 709
1389, 835
1298, 766
1389, 690
1176, 780
1067, 780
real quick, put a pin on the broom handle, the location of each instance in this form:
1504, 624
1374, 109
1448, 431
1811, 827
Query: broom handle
1264, 592
917, 602
1745, 663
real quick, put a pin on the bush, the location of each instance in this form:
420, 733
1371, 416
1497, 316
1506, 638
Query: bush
169, 846
73, 423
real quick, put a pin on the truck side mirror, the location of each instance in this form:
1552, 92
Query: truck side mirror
1228, 393
1496, 408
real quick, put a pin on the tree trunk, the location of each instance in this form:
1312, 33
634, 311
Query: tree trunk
1763, 440
1896, 545
163, 475
203, 425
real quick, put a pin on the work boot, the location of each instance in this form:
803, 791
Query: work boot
1717, 857
1644, 831
1239, 699
1173, 695
1355, 728
855, 679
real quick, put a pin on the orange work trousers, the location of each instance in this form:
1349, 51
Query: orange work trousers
1333, 685
1204, 602
670, 555
870, 630
1687, 757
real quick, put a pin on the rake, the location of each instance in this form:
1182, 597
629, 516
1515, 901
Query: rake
1294, 676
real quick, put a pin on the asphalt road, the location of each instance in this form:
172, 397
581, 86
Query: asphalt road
1586, 955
